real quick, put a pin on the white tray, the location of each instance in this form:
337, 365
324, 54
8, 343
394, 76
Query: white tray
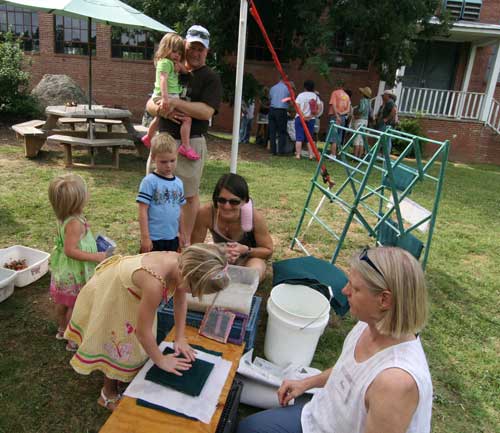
38, 263
6, 283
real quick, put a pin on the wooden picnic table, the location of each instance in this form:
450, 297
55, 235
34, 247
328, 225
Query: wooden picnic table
128, 417
56, 112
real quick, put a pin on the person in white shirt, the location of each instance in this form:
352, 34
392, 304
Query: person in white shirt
381, 381
311, 107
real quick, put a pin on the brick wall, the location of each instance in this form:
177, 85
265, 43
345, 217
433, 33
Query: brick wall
115, 82
469, 141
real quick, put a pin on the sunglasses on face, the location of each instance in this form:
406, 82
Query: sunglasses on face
197, 33
364, 257
231, 201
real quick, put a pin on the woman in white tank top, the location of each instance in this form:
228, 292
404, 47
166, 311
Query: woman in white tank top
381, 381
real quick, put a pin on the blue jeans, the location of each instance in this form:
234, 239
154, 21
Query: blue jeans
278, 420
245, 129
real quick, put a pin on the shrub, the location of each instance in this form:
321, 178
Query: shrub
15, 99
410, 125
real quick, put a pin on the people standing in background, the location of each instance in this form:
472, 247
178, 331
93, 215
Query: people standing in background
262, 134
247, 115
338, 111
361, 117
311, 107
278, 117
387, 115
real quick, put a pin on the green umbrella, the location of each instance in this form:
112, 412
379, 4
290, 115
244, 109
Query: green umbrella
110, 12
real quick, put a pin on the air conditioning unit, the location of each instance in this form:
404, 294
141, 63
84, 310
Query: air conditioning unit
468, 10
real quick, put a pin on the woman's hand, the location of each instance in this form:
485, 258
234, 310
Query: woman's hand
235, 250
146, 245
173, 364
289, 390
182, 347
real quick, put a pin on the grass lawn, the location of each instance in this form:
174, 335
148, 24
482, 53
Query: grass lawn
39, 392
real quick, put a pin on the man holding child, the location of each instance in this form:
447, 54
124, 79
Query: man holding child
202, 99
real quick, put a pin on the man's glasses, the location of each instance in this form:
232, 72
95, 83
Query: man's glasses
197, 33
364, 257
231, 201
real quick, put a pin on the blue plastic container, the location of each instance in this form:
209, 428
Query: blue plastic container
166, 322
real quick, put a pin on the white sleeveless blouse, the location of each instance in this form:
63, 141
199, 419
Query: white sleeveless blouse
339, 407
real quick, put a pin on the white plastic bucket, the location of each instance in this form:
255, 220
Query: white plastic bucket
297, 316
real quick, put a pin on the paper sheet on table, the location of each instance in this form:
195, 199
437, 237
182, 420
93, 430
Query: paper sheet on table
201, 407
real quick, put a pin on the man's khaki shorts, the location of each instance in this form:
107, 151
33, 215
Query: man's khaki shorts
190, 171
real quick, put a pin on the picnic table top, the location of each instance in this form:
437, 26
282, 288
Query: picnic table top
96, 112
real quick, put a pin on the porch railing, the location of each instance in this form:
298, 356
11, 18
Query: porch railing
441, 103
493, 120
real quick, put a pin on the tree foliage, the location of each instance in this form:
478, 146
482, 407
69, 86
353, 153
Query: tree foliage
14, 80
383, 32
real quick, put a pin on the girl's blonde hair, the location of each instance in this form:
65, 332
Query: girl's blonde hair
403, 276
163, 143
67, 195
204, 268
170, 43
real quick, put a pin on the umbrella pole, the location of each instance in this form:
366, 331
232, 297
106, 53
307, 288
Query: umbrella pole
89, 35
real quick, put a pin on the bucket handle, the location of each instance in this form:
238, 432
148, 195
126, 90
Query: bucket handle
316, 318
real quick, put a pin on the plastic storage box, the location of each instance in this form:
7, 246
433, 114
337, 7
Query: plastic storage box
7, 278
37, 261
194, 318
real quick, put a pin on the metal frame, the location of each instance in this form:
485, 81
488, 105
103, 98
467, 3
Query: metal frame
359, 181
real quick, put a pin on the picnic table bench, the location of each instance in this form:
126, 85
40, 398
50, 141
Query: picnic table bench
92, 144
32, 135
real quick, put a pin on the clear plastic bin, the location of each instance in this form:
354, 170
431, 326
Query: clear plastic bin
7, 278
236, 297
37, 261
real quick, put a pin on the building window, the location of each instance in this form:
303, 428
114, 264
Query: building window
22, 23
132, 44
72, 36
468, 10
345, 55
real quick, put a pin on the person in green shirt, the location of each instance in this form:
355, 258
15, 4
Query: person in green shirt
169, 61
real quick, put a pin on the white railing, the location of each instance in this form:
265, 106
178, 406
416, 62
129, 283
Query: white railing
493, 120
441, 103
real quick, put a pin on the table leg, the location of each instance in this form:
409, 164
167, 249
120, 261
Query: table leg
115, 157
68, 157
51, 123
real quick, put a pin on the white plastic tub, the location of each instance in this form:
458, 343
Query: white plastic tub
37, 261
6, 283
297, 316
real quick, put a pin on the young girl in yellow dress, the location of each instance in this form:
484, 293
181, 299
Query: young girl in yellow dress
114, 319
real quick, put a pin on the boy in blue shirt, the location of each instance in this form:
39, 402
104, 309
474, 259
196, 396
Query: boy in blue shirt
161, 195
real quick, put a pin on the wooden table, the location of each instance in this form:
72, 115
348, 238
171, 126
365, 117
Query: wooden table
130, 418
55, 112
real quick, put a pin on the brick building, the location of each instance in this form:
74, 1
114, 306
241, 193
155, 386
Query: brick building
452, 84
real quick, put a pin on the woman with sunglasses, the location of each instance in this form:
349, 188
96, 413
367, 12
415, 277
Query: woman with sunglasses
381, 381
231, 219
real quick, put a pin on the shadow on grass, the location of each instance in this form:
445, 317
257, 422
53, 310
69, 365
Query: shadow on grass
10, 225
40, 391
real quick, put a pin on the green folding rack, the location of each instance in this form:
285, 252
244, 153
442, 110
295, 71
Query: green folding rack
374, 192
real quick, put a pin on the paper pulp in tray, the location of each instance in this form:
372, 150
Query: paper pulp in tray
37, 263
262, 379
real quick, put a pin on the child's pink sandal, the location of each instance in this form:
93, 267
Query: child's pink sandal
189, 153
146, 141
60, 334
71, 346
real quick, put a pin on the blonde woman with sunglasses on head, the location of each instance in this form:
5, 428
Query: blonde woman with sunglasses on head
381, 381
232, 219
